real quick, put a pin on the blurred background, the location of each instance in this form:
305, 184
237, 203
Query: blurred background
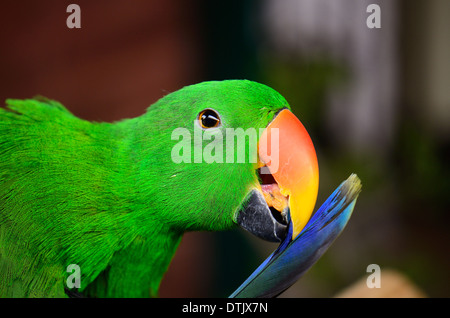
376, 102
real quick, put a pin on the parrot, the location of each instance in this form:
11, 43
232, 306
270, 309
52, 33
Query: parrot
115, 198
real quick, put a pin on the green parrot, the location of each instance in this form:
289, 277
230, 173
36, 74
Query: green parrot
114, 199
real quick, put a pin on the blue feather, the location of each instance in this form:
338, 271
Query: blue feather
293, 258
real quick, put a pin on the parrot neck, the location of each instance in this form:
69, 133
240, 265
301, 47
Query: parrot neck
149, 236
138, 263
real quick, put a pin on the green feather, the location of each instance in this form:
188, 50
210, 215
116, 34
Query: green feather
108, 196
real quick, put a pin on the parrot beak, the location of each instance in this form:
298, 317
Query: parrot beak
290, 180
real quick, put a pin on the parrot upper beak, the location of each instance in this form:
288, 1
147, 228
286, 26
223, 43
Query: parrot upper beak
288, 162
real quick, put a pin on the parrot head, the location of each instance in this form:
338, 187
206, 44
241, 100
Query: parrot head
237, 155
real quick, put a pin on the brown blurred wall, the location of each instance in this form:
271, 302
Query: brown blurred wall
121, 60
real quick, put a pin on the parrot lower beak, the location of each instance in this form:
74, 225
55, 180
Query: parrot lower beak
256, 217
290, 181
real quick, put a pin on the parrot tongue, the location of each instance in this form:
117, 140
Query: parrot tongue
276, 201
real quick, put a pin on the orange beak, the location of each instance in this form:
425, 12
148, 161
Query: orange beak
287, 151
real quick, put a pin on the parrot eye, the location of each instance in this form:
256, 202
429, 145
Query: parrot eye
208, 118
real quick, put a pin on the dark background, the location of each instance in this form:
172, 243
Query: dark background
375, 103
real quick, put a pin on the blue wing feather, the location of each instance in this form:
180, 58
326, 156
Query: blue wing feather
294, 257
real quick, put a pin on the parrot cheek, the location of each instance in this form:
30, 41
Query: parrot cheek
258, 218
